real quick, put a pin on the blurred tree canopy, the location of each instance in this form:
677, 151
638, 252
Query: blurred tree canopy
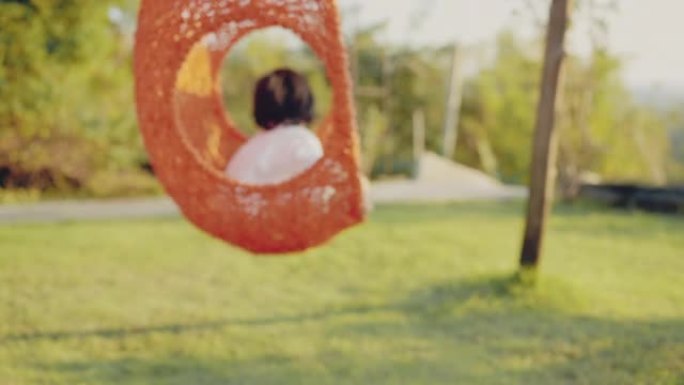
65, 83
602, 130
499, 111
67, 117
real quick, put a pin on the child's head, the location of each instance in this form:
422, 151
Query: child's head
283, 97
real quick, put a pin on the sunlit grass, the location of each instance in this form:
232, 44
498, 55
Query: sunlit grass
419, 295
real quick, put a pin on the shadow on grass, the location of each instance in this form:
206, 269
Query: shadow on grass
488, 331
423, 302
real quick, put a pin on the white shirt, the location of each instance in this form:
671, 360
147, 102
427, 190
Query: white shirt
274, 156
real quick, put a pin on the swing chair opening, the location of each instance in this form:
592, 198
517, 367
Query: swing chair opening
262, 52
214, 90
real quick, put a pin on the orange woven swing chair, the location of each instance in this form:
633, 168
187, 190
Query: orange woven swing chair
180, 45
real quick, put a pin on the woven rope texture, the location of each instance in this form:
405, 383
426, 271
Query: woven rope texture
180, 45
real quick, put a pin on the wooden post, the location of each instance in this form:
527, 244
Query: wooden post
453, 105
418, 139
386, 102
542, 176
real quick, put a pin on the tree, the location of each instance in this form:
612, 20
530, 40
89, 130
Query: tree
604, 131
498, 111
544, 147
65, 84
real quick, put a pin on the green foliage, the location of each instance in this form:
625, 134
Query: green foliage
374, 129
19, 196
676, 164
601, 129
50, 53
604, 131
60, 162
125, 183
395, 82
500, 109
419, 295
66, 81
68, 113
417, 82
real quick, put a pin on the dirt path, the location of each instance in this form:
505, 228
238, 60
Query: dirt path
382, 192
438, 180
61, 211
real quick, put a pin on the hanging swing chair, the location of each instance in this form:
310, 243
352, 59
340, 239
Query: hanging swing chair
180, 45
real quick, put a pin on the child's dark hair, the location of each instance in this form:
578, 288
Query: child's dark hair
283, 97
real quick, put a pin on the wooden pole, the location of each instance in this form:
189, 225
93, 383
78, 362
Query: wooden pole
453, 105
418, 139
387, 107
542, 178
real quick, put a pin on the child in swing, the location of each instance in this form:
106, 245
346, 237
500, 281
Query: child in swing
283, 108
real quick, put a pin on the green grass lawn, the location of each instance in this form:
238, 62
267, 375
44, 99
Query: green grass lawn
419, 295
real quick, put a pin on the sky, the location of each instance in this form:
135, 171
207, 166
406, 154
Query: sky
647, 34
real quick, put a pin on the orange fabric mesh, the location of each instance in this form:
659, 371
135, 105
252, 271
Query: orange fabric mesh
180, 45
